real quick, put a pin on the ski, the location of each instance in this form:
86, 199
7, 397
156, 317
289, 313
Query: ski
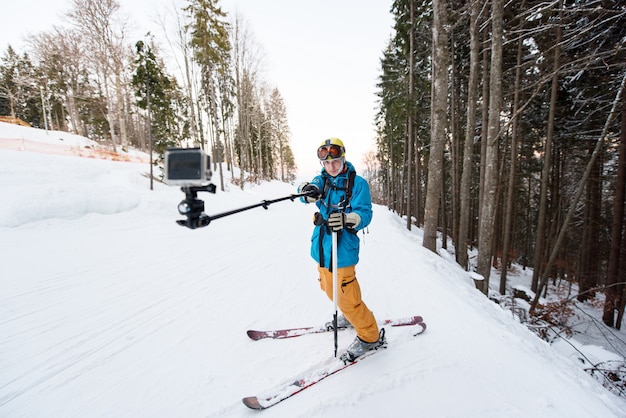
307, 379
297, 332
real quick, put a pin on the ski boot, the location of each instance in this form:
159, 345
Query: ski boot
342, 323
360, 347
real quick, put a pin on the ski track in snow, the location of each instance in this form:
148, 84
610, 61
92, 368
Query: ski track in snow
121, 312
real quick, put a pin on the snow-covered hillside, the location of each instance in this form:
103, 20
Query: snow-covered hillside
108, 308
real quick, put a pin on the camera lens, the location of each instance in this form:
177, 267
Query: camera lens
183, 207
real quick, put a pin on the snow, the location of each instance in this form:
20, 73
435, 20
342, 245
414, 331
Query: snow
109, 308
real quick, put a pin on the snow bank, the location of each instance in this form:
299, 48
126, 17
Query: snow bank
64, 188
21, 138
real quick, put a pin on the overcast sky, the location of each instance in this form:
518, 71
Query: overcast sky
323, 55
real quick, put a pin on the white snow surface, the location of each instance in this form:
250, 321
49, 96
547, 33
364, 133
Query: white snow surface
108, 308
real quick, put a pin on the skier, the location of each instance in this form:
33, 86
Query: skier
345, 206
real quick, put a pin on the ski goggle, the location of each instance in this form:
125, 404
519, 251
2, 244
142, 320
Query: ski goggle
330, 152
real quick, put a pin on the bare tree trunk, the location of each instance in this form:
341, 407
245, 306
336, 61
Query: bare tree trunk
417, 188
452, 229
508, 215
409, 157
484, 132
390, 174
110, 105
613, 291
442, 213
438, 123
547, 159
466, 177
621, 301
121, 114
195, 135
487, 219
591, 242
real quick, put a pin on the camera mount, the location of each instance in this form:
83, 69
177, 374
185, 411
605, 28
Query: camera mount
193, 208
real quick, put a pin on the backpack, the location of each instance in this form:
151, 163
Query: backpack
348, 189
317, 218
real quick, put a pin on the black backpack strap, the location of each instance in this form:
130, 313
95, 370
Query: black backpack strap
351, 176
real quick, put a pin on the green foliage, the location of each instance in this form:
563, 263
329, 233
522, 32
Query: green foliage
156, 92
20, 94
209, 30
397, 103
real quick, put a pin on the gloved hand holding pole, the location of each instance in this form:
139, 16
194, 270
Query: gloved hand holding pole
311, 191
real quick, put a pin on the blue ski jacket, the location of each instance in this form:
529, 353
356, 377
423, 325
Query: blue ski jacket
333, 200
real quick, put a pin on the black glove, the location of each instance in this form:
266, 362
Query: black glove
313, 192
339, 220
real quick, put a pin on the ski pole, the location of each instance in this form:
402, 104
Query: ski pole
335, 284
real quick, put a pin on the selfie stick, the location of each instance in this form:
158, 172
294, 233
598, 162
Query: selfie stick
193, 208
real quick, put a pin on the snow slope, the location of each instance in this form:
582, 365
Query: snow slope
108, 308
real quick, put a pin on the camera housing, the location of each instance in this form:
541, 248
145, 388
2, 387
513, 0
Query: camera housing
187, 167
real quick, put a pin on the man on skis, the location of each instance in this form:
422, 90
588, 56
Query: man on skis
345, 206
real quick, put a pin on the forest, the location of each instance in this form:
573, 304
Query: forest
88, 78
501, 126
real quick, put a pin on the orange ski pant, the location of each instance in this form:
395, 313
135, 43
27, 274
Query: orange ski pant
349, 301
